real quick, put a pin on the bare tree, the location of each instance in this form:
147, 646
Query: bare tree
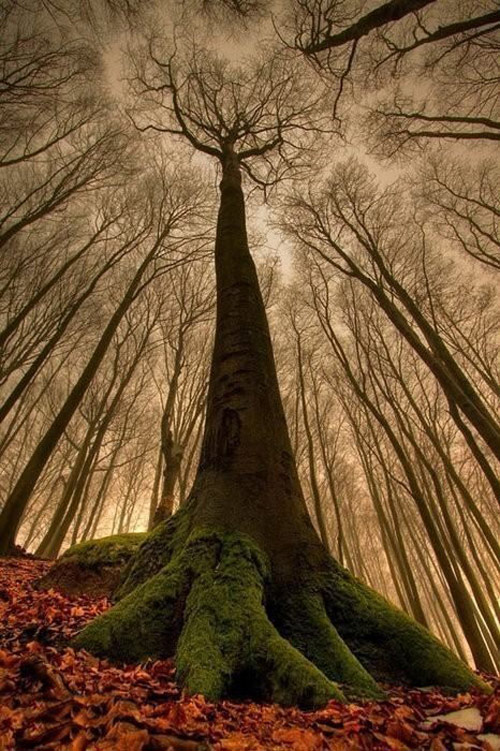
328, 24
191, 292
465, 207
35, 332
421, 52
134, 341
245, 522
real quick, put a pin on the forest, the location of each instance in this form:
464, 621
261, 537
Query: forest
249, 375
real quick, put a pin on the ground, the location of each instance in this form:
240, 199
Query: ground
55, 698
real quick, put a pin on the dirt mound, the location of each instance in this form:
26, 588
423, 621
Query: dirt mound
72, 577
93, 567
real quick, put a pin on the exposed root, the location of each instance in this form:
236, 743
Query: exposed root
303, 620
390, 644
228, 645
146, 623
156, 551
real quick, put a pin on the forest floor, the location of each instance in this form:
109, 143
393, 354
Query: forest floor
52, 697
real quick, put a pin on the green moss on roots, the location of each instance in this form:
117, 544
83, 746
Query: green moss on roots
303, 620
390, 644
156, 551
229, 646
215, 606
208, 601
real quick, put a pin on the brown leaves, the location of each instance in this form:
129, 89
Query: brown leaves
492, 716
298, 739
55, 699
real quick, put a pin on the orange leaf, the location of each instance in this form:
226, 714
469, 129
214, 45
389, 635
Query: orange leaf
119, 739
400, 730
80, 742
391, 743
300, 740
437, 745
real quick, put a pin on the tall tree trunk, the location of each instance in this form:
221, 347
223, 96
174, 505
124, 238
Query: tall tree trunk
313, 479
53, 541
238, 583
100, 499
172, 458
69, 489
155, 490
50, 345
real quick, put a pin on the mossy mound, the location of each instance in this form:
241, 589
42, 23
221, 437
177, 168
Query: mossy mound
214, 605
94, 567
112, 549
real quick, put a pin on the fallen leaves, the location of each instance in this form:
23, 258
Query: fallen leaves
55, 699
298, 739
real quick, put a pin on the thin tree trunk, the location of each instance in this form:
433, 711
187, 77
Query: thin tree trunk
313, 480
153, 503
172, 451
100, 498
459, 593
53, 545
50, 345
71, 484
21, 315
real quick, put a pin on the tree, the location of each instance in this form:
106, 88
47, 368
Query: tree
121, 374
465, 207
463, 73
192, 303
44, 89
367, 363
237, 583
22, 348
328, 24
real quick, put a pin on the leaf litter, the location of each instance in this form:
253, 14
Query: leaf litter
53, 698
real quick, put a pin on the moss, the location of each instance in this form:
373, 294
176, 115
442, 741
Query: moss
115, 549
144, 624
207, 606
148, 621
157, 549
303, 620
390, 644
228, 645
93, 567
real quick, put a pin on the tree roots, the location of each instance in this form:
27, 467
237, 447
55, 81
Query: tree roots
208, 606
